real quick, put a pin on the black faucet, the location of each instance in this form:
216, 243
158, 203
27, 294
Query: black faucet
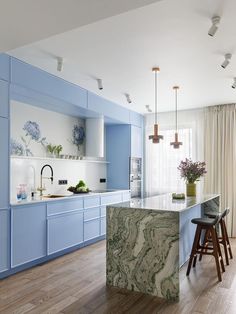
41, 188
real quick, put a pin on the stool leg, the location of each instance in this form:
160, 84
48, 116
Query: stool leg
224, 241
227, 240
194, 248
204, 243
215, 251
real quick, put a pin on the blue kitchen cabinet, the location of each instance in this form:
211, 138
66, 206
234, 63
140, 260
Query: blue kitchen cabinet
29, 233
91, 229
103, 226
4, 239
4, 101
136, 141
64, 231
4, 162
4, 67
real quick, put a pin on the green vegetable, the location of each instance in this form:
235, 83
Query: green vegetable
80, 184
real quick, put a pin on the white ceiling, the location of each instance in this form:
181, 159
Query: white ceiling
122, 50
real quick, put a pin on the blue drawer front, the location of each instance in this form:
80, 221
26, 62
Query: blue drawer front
111, 199
64, 231
103, 226
59, 207
103, 211
91, 229
91, 201
91, 213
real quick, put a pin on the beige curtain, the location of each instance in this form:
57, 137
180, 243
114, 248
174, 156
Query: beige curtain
220, 157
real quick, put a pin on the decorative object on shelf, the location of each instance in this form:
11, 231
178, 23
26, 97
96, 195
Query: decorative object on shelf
155, 137
176, 143
16, 148
191, 172
78, 136
54, 150
81, 187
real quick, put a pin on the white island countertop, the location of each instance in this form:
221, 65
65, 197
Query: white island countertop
165, 202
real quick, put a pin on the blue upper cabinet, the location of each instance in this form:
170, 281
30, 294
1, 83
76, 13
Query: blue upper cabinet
33, 78
136, 141
4, 162
4, 100
4, 67
108, 108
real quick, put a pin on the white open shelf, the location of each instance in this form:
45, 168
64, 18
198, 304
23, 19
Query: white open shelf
60, 159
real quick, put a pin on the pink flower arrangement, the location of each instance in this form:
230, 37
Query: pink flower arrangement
191, 171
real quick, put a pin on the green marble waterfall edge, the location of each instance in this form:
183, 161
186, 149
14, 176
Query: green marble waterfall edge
143, 251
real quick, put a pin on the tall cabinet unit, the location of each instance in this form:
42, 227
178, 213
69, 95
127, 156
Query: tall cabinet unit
4, 162
122, 142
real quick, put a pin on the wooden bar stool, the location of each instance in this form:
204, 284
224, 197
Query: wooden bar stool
207, 225
224, 238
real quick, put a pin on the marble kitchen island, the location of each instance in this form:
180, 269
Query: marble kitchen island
149, 239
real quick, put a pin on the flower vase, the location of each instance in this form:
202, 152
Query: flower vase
191, 189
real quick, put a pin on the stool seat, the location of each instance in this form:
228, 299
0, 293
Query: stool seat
211, 214
205, 221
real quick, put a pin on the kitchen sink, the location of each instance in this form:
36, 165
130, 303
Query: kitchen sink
54, 196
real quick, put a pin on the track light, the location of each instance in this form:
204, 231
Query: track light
59, 64
128, 98
148, 108
234, 83
100, 86
215, 21
228, 56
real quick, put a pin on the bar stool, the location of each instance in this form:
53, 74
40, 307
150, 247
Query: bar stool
224, 238
207, 225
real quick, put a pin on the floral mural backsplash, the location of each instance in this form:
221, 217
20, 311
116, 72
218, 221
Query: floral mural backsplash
32, 134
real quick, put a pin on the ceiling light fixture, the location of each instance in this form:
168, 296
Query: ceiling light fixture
234, 83
226, 62
100, 85
59, 64
148, 108
128, 98
176, 143
215, 21
155, 137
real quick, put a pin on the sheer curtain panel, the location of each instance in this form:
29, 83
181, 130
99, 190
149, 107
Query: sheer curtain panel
220, 157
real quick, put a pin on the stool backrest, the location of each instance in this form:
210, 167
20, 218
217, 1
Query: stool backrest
225, 213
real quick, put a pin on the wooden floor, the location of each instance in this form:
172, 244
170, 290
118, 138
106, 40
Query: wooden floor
75, 283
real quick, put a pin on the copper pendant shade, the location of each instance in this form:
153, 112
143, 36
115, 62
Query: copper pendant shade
176, 143
155, 137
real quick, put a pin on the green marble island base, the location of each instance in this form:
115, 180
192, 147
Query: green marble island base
143, 246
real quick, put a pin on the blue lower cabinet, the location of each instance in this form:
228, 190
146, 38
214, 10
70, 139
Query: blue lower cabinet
91, 229
103, 225
4, 239
65, 231
28, 233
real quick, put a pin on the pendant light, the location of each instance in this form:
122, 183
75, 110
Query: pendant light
155, 137
176, 143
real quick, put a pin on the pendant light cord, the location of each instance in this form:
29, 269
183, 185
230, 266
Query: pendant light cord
176, 122
155, 97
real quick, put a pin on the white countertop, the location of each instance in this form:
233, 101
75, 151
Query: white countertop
165, 202
41, 199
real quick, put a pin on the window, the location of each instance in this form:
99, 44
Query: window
162, 161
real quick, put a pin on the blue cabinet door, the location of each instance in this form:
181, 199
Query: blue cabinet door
4, 239
91, 229
136, 141
4, 67
4, 99
4, 162
103, 226
64, 231
28, 233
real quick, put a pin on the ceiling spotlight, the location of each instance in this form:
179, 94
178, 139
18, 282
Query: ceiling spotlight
100, 86
59, 64
228, 56
148, 108
128, 98
215, 21
234, 83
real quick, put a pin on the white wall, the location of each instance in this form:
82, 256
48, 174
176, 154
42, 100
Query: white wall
56, 127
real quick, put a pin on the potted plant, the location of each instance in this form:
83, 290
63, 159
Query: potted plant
51, 150
191, 172
58, 150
